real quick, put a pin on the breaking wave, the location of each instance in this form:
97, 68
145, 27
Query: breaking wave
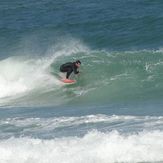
106, 76
94, 147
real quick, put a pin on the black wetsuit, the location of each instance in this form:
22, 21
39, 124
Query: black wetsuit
69, 68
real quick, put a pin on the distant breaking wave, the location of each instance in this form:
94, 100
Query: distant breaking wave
94, 147
49, 128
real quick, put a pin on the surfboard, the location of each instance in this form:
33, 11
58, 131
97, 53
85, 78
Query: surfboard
68, 81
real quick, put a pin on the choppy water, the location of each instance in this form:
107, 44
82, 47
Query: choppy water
114, 111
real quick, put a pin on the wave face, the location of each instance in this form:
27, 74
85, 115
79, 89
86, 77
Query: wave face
106, 76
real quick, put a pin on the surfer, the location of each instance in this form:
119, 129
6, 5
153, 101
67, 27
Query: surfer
70, 67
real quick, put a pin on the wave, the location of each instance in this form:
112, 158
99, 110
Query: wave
23, 79
72, 126
93, 147
106, 76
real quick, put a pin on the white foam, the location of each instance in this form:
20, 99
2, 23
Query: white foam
118, 122
94, 147
19, 75
22, 75
69, 121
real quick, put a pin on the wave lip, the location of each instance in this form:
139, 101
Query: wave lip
94, 147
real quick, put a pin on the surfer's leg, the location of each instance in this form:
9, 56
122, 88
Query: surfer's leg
68, 73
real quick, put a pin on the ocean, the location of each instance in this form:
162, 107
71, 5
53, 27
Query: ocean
113, 113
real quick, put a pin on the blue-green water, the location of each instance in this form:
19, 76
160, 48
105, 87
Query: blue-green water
114, 111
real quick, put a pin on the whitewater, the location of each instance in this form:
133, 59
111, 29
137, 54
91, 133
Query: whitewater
93, 147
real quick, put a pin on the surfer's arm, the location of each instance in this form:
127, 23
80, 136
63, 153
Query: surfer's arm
76, 71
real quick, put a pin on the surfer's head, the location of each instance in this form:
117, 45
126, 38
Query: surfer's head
78, 63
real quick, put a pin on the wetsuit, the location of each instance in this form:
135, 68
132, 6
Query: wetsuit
69, 68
